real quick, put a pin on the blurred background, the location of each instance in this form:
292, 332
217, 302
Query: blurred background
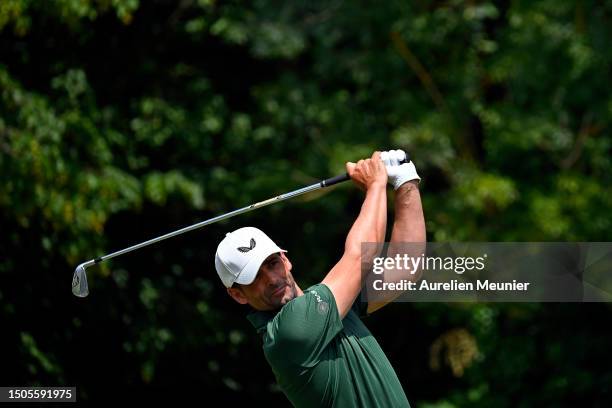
121, 120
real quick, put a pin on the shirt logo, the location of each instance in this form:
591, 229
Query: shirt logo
247, 249
322, 306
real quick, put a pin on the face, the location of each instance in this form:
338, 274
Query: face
273, 287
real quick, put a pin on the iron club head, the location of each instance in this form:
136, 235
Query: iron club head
79, 282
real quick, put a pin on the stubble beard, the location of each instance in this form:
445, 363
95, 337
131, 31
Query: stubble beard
277, 304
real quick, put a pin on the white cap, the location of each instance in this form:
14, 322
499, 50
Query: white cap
241, 253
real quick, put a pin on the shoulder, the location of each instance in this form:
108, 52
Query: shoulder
305, 324
317, 304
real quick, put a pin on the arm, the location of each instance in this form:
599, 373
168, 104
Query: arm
344, 279
408, 227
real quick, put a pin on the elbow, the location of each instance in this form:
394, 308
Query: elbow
363, 253
352, 251
352, 246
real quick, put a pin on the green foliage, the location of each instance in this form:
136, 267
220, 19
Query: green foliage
124, 119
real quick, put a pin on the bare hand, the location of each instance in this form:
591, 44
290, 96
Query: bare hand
369, 172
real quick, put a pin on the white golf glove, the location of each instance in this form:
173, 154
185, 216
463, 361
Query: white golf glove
398, 173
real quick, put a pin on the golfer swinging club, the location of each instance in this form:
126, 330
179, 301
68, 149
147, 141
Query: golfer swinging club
321, 353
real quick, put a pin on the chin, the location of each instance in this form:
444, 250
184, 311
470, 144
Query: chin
283, 301
287, 297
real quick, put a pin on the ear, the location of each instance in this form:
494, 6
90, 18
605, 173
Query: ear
286, 261
237, 295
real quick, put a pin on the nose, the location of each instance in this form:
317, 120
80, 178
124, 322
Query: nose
270, 277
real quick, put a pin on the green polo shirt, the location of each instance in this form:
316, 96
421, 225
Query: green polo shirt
321, 361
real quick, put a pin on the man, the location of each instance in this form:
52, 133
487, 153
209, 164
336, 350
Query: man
320, 351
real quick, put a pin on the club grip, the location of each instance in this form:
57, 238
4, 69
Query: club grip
344, 177
334, 180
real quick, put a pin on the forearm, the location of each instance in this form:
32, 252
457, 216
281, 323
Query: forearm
408, 236
344, 279
409, 224
371, 224
408, 233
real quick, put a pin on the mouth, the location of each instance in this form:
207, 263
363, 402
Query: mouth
278, 291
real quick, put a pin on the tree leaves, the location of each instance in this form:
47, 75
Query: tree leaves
120, 119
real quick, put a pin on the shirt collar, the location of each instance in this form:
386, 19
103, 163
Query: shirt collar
259, 319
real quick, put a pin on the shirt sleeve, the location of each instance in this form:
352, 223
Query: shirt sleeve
305, 327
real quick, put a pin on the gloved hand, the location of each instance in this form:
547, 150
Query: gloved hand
397, 173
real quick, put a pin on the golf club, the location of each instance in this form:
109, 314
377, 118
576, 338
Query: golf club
80, 287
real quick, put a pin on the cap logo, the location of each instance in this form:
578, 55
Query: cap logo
247, 249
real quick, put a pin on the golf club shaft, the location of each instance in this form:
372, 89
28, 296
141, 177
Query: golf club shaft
324, 183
